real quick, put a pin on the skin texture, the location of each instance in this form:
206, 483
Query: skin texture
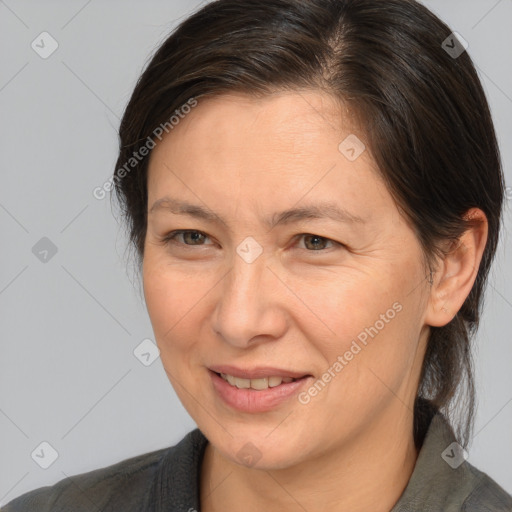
298, 305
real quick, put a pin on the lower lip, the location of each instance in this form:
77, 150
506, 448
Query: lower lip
252, 400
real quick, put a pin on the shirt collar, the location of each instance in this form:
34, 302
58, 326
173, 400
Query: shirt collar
440, 477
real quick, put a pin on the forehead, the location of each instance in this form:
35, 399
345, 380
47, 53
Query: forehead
249, 163
235, 127
262, 152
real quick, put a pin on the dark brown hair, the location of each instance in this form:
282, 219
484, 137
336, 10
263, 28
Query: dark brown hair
421, 108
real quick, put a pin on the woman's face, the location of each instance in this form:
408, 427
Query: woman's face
335, 298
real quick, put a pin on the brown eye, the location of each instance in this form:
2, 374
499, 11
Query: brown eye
316, 242
192, 236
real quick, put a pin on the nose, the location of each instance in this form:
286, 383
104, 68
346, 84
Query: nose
250, 306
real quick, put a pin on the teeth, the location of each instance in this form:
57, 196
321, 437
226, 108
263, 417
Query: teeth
274, 381
258, 384
242, 383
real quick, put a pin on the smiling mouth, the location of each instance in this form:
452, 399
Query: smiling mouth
257, 384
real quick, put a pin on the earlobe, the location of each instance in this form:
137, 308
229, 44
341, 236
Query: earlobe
457, 271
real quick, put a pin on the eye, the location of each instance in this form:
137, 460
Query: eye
196, 236
315, 242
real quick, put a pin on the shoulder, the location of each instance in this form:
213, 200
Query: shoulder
443, 480
125, 486
126, 480
486, 494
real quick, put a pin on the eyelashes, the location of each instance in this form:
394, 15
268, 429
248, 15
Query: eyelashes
311, 239
170, 237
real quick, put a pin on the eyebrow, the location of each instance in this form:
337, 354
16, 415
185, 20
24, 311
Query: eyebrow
325, 210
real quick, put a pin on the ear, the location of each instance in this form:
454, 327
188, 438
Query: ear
457, 271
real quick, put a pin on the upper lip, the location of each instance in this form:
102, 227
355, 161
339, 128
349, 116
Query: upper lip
258, 372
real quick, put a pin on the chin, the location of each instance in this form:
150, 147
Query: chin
258, 447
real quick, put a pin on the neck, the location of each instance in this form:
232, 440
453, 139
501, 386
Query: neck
368, 473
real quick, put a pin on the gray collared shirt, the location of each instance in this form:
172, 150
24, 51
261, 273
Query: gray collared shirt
167, 480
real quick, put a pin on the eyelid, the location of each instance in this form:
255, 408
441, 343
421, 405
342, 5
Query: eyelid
329, 240
169, 238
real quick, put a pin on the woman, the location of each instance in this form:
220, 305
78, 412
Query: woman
313, 189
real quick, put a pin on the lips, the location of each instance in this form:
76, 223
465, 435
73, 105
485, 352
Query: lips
257, 389
258, 384
260, 372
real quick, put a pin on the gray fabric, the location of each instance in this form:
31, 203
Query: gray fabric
168, 481
435, 486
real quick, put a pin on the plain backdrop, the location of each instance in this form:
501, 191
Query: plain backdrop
71, 312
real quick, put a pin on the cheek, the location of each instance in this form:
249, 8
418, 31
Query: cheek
341, 307
171, 298
369, 320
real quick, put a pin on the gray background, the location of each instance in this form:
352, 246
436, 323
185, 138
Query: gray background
69, 325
